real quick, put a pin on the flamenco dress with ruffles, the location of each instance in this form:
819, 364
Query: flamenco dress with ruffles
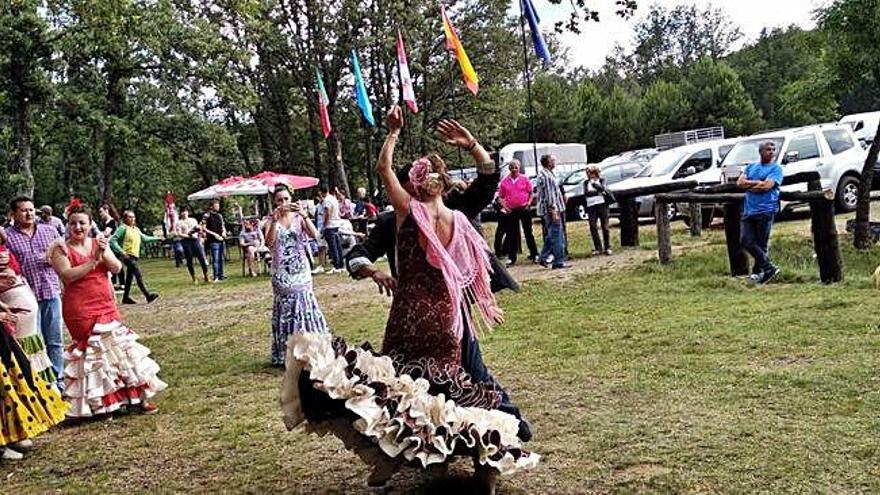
413, 403
294, 306
27, 331
106, 367
28, 405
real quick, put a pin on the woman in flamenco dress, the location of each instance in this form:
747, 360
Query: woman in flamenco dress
413, 404
107, 369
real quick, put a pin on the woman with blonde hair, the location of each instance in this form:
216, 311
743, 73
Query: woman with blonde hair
598, 200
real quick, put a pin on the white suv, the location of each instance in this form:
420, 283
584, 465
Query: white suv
830, 149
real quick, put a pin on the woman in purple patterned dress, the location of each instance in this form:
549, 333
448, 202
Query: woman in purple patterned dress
294, 308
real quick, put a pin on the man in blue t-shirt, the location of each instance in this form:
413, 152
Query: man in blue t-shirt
761, 182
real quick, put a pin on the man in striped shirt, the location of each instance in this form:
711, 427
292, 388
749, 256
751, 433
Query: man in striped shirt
551, 209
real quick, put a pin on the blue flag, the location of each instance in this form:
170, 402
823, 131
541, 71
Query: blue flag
360, 90
528, 11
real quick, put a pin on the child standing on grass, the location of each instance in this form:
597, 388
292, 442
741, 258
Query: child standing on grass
108, 369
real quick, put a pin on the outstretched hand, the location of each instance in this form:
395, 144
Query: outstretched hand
454, 133
394, 119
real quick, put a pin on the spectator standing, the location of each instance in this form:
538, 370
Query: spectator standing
761, 182
251, 241
215, 228
596, 195
332, 222
360, 204
110, 222
29, 242
551, 208
189, 231
516, 195
47, 218
126, 243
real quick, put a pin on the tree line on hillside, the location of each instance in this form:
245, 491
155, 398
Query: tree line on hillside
124, 100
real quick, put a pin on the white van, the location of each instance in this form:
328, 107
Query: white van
864, 125
569, 156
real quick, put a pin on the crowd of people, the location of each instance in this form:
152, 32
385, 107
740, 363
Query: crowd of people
54, 277
424, 399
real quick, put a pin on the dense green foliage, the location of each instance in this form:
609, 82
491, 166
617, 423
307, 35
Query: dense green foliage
125, 100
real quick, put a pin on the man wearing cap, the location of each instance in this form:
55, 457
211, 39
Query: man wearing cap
46, 218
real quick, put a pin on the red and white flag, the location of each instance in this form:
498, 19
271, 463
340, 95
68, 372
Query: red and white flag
406, 87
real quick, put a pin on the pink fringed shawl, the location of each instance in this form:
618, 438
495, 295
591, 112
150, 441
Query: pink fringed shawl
465, 266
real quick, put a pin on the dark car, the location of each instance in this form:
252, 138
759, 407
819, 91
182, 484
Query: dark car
575, 202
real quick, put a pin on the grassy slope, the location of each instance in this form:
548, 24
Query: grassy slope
673, 378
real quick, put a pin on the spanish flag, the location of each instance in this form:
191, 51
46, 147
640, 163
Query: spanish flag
453, 43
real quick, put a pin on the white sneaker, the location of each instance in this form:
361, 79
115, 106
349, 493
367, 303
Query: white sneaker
24, 444
336, 270
318, 270
11, 455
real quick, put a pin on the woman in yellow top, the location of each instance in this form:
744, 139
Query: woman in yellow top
126, 243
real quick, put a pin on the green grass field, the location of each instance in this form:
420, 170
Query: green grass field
636, 378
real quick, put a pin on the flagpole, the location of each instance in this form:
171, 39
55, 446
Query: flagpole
527, 76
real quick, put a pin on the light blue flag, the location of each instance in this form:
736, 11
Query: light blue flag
360, 90
528, 11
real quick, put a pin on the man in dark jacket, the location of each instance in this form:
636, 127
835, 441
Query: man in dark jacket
383, 238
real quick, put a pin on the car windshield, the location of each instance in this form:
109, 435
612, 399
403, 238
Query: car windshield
746, 151
574, 178
662, 164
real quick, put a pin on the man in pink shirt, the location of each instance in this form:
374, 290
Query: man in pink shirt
515, 196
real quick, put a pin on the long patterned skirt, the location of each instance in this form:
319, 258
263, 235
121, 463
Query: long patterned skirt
294, 311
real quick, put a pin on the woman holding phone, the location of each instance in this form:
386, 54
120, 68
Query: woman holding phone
294, 308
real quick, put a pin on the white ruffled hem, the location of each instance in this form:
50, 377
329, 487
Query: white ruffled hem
426, 428
112, 365
40, 361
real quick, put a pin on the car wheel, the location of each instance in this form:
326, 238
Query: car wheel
847, 196
673, 212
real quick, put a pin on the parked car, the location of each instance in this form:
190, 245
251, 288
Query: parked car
573, 185
864, 125
698, 161
642, 156
830, 149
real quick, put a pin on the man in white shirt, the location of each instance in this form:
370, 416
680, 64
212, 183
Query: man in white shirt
332, 222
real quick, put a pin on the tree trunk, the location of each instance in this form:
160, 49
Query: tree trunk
861, 235
22, 136
115, 103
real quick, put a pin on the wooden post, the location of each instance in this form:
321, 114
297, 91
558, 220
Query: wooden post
825, 241
739, 261
696, 212
664, 241
629, 221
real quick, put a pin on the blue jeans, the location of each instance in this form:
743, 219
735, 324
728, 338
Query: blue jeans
755, 238
334, 246
218, 251
553, 242
49, 320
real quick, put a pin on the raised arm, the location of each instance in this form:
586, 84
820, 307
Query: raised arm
457, 135
396, 193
